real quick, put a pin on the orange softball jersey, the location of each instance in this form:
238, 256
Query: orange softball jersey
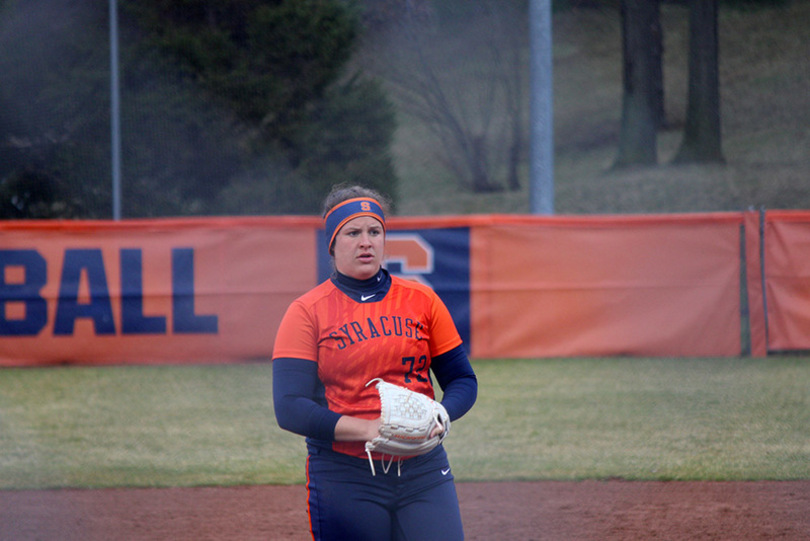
393, 338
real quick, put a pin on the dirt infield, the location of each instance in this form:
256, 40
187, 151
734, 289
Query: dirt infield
588, 510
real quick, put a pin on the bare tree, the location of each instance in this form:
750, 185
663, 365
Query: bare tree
464, 78
702, 137
642, 99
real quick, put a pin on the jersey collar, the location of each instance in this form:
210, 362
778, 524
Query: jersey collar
373, 289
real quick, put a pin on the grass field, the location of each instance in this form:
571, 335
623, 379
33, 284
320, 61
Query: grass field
680, 419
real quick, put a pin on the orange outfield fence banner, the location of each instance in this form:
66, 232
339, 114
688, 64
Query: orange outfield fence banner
786, 265
213, 290
644, 285
149, 291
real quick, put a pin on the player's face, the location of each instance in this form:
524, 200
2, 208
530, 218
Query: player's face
359, 247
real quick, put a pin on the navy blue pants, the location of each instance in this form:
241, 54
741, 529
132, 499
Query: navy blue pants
414, 501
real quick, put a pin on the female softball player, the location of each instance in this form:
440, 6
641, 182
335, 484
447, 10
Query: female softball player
359, 325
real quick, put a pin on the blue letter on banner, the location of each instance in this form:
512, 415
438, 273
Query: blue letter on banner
185, 320
68, 309
132, 319
27, 292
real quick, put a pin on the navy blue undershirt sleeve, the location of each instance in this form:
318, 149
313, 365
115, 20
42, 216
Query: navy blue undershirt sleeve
298, 400
457, 380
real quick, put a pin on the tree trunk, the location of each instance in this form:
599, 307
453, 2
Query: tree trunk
640, 29
702, 137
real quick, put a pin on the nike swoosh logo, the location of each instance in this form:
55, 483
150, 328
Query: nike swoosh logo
445, 472
364, 298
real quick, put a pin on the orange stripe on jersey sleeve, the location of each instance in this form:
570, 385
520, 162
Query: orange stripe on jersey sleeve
297, 336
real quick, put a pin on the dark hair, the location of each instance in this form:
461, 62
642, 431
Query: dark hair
344, 192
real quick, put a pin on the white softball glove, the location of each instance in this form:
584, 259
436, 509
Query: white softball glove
408, 418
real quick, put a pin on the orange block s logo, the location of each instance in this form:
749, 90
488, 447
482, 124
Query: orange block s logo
413, 256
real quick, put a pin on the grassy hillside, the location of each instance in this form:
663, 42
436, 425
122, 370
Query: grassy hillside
764, 77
